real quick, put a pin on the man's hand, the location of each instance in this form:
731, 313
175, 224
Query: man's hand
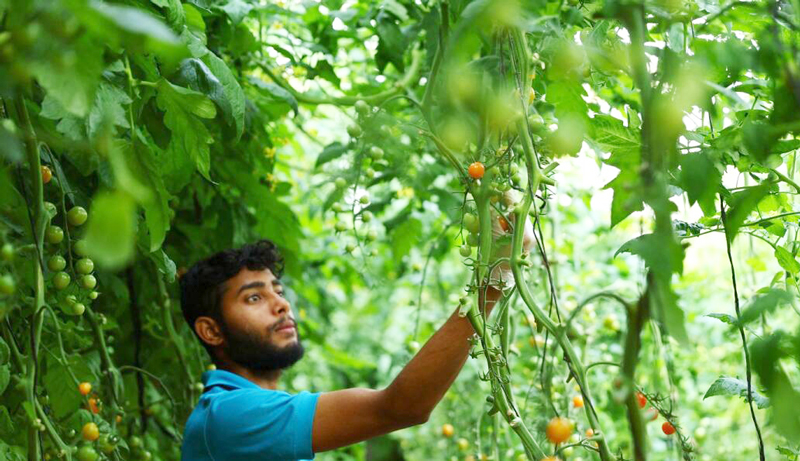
501, 228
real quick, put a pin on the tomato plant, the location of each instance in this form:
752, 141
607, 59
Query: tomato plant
390, 149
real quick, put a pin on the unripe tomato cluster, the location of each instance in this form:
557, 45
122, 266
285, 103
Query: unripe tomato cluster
362, 133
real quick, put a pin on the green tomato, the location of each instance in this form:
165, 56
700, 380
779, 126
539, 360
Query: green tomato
54, 235
105, 445
366, 216
354, 131
50, 208
536, 123
372, 235
61, 280
70, 299
78, 309
471, 223
472, 240
56, 263
93, 295
7, 284
364, 199
465, 250
362, 108
337, 207
77, 216
340, 183
87, 453
80, 248
350, 247
84, 266
369, 173
135, 442
88, 281
341, 226
7, 252
376, 153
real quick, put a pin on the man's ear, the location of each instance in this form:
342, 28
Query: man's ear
209, 331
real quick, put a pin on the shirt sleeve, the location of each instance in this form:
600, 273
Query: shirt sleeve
254, 424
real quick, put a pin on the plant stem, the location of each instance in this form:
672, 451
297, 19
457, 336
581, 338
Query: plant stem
728, 240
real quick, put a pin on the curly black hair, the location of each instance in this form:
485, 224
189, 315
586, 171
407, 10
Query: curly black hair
202, 286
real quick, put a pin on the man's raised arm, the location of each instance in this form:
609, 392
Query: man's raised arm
353, 415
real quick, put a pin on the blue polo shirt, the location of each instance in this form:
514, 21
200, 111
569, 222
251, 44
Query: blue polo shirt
237, 420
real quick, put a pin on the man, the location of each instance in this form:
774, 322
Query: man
235, 305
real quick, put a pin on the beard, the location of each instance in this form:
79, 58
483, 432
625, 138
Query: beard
255, 352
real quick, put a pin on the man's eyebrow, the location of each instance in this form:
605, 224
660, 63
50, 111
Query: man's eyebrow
250, 285
258, 284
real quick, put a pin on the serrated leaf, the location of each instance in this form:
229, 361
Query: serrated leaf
742, 203
624, 143
237, 10
725, 318
787, 260
725, 385
233, 91
76, 93
766, 301
627, 196
405, 236
700, 179
61, 385
276, 93
330, 152
183, 109
111, 230
107, 109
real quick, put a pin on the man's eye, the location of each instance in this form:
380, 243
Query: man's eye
281, 294
252, 297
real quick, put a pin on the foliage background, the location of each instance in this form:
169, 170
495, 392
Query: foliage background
189, 127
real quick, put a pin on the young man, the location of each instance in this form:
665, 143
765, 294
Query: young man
235, 305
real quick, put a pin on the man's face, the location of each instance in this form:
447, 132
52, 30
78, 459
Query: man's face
257, 322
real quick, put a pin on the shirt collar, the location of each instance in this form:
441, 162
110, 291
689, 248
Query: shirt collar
227, 378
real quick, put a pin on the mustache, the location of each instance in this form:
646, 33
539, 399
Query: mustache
284, 322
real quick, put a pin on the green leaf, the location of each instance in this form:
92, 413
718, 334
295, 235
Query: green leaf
76, 93
164, 264
650, 248
5, 377
627, 195
725, 385
276, 93
330, 152
766, 301
111, 230
742, 203
5, 352
786, 260
724, 318
136, 21
196, 75
700, 179
622, 142
391, 44
231, 87
183, 109
405, 236
567, 97
61, 385
107, 110
237, 10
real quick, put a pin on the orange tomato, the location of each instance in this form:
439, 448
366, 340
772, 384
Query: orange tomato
47, 174
476, 170
84, 388
93, 405
90, 432
448, 430
577, 401
558, 430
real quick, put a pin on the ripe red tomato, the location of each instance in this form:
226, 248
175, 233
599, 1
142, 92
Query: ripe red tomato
558, 430
641, 399
668, 428
476, 170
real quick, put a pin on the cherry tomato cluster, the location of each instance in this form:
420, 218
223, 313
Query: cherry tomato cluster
374, 156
